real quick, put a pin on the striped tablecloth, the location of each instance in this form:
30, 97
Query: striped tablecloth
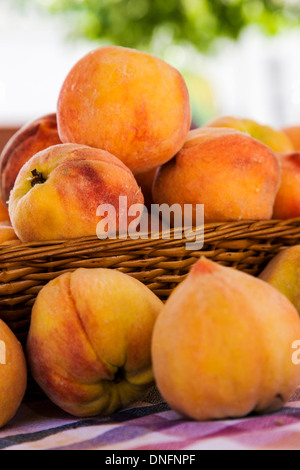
151, 426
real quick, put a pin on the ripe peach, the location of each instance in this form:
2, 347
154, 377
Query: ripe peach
222, 345
58, 191
234, 175
7, 234
13, 374
287, 202
3, 212
127, 102
293, 133
283, 273
89, 342
276, 139
30, 139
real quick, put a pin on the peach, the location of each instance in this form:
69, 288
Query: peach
222, 345
293, 133
287, 202
58, 191
283, 273
13, 374
130, 103
89, 342
276, 139
26, 142
234, 175
7, 234
3, 212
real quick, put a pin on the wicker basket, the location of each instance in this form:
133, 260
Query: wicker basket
159, 263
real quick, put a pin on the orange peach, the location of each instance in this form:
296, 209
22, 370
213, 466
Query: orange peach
13, 374
234, 175
7, 234
287, 202
222, 345
276, 139
89, 342
127, 102
57, 193
283, 273
30, 139
293, 133
3, 212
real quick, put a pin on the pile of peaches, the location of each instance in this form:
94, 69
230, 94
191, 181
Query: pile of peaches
123, 128
222, 344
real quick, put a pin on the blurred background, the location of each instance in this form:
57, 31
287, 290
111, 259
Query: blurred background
238, 57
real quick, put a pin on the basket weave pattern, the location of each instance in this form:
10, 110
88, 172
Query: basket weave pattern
159, 263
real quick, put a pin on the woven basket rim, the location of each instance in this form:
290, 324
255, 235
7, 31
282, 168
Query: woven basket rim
251, 228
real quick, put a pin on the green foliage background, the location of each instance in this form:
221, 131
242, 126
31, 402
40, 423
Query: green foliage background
134, 23
169, 28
